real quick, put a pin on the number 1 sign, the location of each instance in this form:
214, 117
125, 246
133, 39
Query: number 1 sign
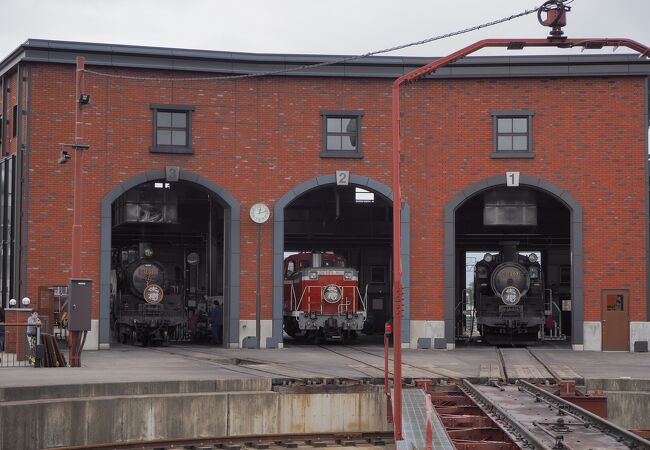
512, 179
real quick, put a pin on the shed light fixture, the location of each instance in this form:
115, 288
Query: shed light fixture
84, 99
65, 155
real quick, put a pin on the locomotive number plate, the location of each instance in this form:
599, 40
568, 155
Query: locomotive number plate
510, 311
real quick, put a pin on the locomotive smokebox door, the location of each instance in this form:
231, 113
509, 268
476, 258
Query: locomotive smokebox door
80, 292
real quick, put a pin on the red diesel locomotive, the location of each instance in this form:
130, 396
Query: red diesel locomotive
322, 299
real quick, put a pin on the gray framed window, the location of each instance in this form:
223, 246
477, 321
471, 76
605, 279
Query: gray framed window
342, 134
172, 129
512, 134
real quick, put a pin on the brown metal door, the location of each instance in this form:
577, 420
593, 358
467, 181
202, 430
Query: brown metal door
616, 320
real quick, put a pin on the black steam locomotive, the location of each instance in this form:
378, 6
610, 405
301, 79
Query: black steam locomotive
148, 294
166, 260
509, 296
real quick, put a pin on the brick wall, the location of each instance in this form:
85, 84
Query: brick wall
588, 138
258, 138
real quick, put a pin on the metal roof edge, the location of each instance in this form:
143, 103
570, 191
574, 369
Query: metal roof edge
120, 55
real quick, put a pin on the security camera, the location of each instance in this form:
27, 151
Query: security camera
65, 157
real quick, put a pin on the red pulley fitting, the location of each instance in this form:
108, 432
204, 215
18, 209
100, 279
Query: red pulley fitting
555, 16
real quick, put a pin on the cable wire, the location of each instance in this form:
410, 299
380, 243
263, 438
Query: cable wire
326, 63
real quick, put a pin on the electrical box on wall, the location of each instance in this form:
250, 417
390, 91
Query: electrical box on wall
80, 304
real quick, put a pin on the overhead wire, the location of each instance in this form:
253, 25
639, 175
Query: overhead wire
341, 60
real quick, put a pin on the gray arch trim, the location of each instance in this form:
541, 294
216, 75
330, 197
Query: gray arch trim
278, 245
577, 256
231, 242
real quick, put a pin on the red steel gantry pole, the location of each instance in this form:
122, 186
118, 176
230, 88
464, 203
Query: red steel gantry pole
513, 44
78, 163
75, 336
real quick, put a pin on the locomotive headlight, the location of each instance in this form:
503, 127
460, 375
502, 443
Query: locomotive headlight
488, 257
332, 293
532, 258
510, 295
313, 275
347, 275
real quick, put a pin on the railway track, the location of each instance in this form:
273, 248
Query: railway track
524, 416
423, 371
513, 364
523, 363
252, 367
554, 421
368, 441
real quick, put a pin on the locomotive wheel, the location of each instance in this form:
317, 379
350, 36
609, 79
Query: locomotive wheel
349, 336
116, 330
165, 340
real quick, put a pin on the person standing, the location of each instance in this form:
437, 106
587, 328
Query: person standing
33, 322
216, 319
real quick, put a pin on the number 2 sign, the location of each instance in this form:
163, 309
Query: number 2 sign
342, 177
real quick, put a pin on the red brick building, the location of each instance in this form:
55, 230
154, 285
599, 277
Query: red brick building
179, 151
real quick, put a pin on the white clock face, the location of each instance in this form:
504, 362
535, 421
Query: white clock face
260, 213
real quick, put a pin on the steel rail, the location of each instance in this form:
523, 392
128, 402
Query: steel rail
241, 440
631, 439
554, 436
423, 369
517, 431
547, 366
229, 366
502, 365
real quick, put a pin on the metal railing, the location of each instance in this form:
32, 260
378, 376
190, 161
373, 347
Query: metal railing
552, 308
429, 422
19, 349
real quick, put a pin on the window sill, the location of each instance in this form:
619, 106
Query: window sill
351, 154
512, 154
172, 149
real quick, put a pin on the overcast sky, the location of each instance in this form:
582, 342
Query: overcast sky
348, 27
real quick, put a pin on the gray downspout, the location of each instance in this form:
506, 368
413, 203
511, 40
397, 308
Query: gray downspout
18, 191
646, 128
25, 196
3, 145
3, 123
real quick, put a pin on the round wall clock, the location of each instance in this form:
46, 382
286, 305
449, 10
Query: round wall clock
260, 213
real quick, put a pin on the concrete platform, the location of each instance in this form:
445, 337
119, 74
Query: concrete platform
141, 390
305, 362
